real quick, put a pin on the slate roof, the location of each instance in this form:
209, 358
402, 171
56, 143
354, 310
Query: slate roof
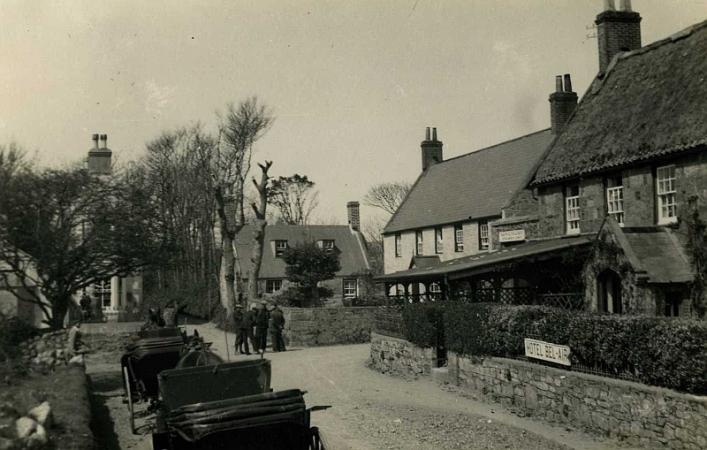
650, 103
351, 245
475, 185
485, 260
654, 253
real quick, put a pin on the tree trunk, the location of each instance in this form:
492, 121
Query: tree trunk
60, 305
227, 257
259, 235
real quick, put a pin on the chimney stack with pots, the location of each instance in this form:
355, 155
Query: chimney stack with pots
354, 217
562, 103
99, 156
617, 31
431, 149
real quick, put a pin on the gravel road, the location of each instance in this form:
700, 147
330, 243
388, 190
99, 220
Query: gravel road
370, 411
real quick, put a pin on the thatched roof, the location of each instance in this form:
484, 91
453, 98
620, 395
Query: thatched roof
652, 102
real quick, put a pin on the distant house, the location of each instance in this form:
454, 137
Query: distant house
346, 240
18, 299
113, 294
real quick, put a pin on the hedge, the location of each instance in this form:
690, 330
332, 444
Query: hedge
423, 324
654, 350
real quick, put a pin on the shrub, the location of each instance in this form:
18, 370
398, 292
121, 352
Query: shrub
423, 324
389, 321
300, 297
655, 350
13, 331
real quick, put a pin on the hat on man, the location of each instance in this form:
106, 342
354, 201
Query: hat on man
238, 305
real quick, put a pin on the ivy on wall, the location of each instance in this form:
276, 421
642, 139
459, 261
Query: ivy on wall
697, 245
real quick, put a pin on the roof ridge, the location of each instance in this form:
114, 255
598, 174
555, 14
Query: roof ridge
491, 147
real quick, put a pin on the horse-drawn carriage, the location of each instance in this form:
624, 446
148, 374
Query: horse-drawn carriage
200, 402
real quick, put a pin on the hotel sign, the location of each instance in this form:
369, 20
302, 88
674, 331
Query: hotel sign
559, 354
511, 235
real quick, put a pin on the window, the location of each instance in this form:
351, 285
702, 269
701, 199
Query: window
398, 241
272, 286
280, 247
667, 195
328, 244
483, 235
102, 293
615, 198
435, 291
458, 238
418, 243
439, 245
572, 209
350, 288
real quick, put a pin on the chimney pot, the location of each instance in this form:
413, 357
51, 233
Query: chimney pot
609, 5
434, 134
558, 83
104, 140
625, 5
427, 134
95, 141
568, 83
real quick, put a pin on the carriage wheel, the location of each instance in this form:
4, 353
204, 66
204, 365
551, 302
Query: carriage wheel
130, 399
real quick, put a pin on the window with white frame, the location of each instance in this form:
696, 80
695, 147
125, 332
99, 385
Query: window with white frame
615, 198
483, 235
666, 195
328, 244
350, 288
102, 293
398, 243
418, 243
458, 238
435, 291
280, 248
572, 209
272, 286
439, 244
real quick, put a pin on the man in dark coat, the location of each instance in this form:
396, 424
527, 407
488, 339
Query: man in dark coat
262, 316
277, 319
243, 323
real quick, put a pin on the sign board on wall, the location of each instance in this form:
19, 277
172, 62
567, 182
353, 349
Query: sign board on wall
511, 235
559, 354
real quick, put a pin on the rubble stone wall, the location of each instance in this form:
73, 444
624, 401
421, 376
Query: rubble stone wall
638, 414
328, 326
399, 357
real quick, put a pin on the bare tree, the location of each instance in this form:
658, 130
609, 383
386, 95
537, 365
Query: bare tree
239, 129
387, 196
294, 199
259, 233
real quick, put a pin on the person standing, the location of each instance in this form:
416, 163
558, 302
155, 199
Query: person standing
239, 319
278, 325
262, 317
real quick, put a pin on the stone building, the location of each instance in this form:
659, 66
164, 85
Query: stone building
607, 208
346, 240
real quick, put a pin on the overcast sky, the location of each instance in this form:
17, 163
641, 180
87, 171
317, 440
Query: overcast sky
353, 84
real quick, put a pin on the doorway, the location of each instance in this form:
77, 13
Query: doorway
609, 292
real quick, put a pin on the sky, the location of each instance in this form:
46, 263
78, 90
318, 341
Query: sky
352, 84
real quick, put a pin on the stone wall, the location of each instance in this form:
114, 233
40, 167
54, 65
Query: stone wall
640, 415
328, 326
399, 357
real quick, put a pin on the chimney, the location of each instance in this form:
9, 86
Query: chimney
617, 31
99, 156
562, 103
354, 217
431, 149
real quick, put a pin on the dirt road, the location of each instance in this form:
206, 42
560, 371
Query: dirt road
370, 411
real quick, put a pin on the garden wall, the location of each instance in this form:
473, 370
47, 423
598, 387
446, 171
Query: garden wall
638, 414
399, 357
328, 326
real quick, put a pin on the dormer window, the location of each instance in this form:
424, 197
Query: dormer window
280, 248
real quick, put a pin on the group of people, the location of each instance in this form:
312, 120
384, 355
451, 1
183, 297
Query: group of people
253, 325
